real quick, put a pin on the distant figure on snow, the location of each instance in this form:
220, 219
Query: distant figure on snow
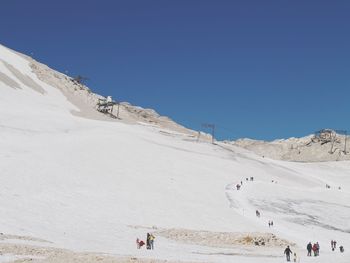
151, 241
139, 243
341, 249
309, 249
315, 249
295, 257
257, 213
238, 186
148, 245
287, 252
333, 244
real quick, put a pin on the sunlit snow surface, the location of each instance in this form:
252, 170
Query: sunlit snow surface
90, 185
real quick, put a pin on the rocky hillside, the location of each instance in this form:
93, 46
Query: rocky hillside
327, 145
86, 100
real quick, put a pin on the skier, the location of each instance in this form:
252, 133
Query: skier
335, 244
269, 223
309, 248
287, 252
332, 245
341, 249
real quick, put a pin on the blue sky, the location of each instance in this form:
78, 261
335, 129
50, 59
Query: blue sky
258, 69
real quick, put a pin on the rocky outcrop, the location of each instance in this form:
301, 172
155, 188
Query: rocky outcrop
326, 145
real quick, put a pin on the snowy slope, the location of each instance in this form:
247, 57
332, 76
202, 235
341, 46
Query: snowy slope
92, 185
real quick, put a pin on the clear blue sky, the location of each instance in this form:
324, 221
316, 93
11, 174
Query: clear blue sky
258, 69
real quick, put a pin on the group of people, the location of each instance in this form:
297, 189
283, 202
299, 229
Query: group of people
270, 223
149, 242
239, 185
334, 246
329, 187
313, 248
316, 248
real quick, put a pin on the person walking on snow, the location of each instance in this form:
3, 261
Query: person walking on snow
148, 246
151, 241
318, 248
309, 249
287, 252
314, 249
295, 257
257, 213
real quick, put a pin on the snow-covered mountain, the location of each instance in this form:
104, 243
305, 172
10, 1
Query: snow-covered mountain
326, 145
78, 186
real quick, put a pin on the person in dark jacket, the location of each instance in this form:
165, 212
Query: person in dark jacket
148, 245
287, 252
309, 249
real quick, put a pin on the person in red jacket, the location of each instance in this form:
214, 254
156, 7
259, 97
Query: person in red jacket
314, 249
139, 243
